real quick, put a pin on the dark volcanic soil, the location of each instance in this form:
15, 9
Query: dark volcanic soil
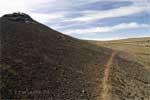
40, 63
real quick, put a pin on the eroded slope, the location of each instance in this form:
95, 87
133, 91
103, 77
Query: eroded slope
40, 63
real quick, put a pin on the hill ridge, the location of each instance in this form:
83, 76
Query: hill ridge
38, 62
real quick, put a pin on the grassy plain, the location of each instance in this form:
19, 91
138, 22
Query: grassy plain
139, 48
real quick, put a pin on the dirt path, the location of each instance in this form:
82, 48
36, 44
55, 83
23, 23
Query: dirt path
105, 84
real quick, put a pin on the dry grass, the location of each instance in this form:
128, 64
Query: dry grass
139, 48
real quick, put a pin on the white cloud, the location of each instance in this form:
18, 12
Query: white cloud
38, 8
105, 39
43, 17
7, 6
117, 12
121, 26
28, 6
115, 38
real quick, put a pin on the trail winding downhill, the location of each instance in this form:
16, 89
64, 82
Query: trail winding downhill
105, 84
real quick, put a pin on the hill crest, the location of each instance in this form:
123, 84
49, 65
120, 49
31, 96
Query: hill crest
38, 62
18, 17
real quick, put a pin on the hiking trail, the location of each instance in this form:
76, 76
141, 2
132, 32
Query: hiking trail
105, 84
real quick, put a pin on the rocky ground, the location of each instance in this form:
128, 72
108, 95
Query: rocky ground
40, 63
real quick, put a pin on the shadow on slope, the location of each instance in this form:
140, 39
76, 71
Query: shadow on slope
40, 63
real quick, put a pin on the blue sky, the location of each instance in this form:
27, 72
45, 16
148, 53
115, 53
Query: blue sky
88, 19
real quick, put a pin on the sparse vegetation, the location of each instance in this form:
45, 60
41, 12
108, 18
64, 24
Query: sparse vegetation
41, 59
139, 48
39, 63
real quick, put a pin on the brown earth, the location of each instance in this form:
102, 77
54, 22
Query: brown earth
105, 84
40, 63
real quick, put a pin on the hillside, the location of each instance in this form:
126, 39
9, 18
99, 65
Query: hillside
138, 48
37, 59
131, 67
38, 62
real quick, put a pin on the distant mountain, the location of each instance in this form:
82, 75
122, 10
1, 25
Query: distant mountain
40, 63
